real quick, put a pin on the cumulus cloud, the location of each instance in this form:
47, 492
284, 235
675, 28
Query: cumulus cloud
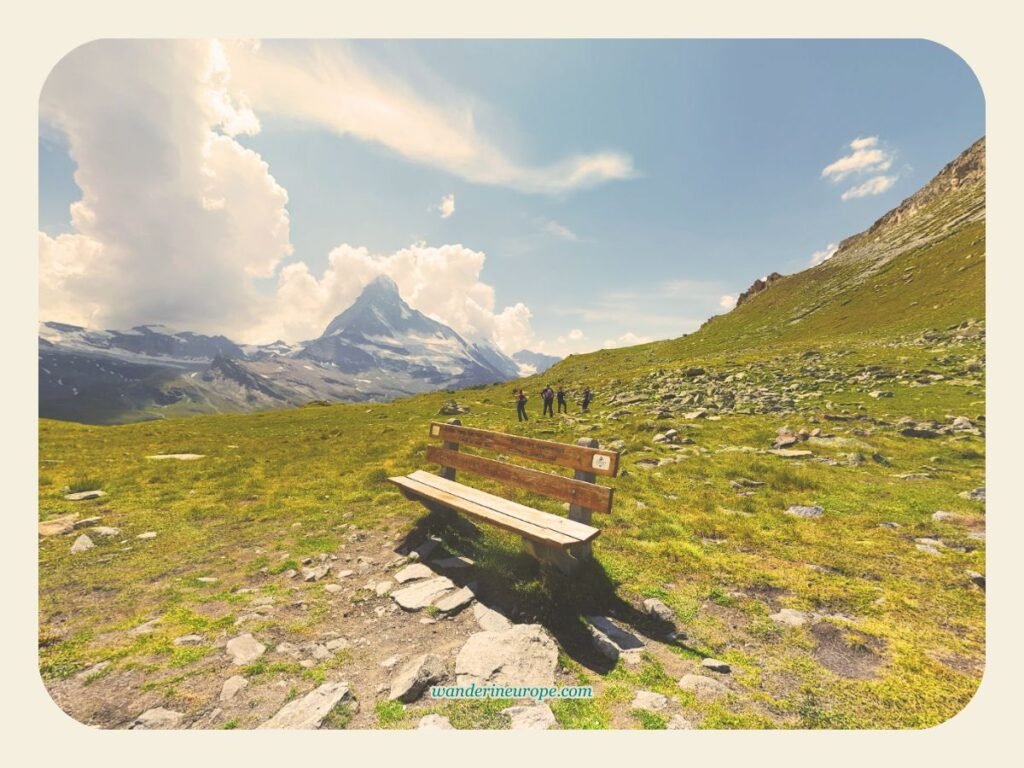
824, 254
628, 339
442, 282
447, 206
868, 158
176, 217
327, 85
873, 186
560, 231
727, 301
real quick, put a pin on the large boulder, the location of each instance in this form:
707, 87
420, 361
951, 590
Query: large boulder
522, 655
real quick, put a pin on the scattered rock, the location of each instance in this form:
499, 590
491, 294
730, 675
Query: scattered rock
95, 669
787, 453
104, 530
650, 701
422, 593
522, 655
245, 649
790, 617
657, 609
977, 578
609, 639
316, 572
918, 432
978, 494
533, 717
716, 666
679, 723
704, 687
156, 719
807, 512
434, 723
177, 456
489, 619
454, 602
413, 572
412, 680
188, 640
147, 535
381, 588
58, 525
308, 712
945, 517
85, 495
82, 544
232, 686
145, 628
333, 588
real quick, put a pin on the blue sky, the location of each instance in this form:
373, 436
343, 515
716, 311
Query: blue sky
709, 159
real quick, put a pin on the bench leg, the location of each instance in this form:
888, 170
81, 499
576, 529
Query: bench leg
556, 556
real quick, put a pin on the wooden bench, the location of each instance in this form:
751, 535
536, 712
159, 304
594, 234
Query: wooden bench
559, 541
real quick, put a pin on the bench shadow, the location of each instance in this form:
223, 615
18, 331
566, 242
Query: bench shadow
526, 591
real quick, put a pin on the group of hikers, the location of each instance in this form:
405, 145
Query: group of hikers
549, 396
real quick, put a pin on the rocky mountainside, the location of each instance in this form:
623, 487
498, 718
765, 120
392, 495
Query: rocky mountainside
377, 349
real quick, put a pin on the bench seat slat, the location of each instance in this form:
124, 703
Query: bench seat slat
583, 494
532, 523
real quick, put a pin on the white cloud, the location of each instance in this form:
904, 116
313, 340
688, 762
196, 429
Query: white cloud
867, 157
560, 231
447, 206
575, 335
176, 218
824, 255
873, 186
328, 86
627, 339
442, 282
727, 302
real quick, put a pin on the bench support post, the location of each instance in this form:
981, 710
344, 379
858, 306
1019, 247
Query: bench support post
582, 514
555, 556
448, 473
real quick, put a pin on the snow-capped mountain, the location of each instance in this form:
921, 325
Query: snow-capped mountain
534, 362
377, 349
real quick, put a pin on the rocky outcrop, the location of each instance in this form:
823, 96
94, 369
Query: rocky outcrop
761, 284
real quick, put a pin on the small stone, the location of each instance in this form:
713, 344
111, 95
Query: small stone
790, 617
381, 588
928, 549
978, 494
716, 666
95, 669
245, 649
344, 574
422, 593
434, 723
489, 619
787, 453
146, 628
82, 544
337, 644
156, 719
316, 573
704, 687
413, 572
147, 535
679, 723
188, 640
453, 602
658, 610
58, 525
977, 578
805, 512
333, 588
534, 717
105, 530
309, 712
87, 522
609, 639
412, 680
207, 579
85, 495
650, 701
232, 686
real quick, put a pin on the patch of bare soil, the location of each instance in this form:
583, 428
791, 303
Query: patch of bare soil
847, 652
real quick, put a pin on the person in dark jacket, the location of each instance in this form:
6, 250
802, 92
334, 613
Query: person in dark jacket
549, 400
521, 406
587, 397
562, 407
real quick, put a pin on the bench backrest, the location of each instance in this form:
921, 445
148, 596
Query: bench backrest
588, 461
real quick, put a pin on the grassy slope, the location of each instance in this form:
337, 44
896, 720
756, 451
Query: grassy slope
283, 483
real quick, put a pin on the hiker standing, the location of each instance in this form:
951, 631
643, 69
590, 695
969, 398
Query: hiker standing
587, 397
549, 400
521, 406
562, 407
